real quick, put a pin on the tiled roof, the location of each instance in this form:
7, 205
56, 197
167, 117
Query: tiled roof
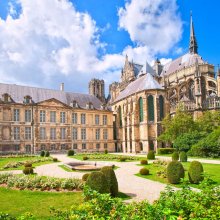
145, 82
181, 63
18, 93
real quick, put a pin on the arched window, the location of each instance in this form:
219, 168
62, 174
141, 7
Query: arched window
131, 106
120, 115
161, 105
150, 106
191, 90
27, 99
141, 114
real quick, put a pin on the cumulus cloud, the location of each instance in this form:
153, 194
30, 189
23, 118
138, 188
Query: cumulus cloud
153, 23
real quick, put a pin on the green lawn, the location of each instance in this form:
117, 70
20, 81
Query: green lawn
4, 161
212, 170
17, 202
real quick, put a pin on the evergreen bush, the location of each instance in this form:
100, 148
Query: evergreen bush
85, 158
106, 151
165, 150
123, 159
42, 153
97, 181
144, 162
47, 154
183, 156
55, 159
144, 171
195, 172
175, 172
28, 164
175, 156
70, 153
85, 176
112, 180
28, 170
151, 155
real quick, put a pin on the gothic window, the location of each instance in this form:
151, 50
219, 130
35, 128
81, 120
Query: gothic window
141, 114
182, 92
120, 115
131, 106
150, 106
191, 90
161, 105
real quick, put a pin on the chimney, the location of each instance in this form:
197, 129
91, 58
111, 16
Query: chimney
61, 86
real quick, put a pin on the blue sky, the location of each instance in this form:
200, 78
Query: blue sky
46, 42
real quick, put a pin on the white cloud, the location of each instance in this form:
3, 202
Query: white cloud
153, 23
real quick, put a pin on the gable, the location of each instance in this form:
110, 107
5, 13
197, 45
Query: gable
53, 103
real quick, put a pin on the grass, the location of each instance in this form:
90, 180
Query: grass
38, 203
4, 161
210, 170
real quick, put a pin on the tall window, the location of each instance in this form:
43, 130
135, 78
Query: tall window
42, 116
150, 106
141, 114
16, 133
75, 135
97, 119
120, 115
27, 133
105, 145
75, 146
62, 133
161, 105
97, 146
83, 118
53, 116
16, 115
83, 134
74, 118
83, 146
27, 115
62, 117
105, 134
104, 119
53, 133
97, 134
42, 133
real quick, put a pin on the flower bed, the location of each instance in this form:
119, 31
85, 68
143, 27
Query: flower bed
40, 183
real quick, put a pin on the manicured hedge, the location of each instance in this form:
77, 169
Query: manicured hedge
195, 172
175, 172
151, 155
162, 151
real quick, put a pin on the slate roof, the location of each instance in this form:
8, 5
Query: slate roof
181, 62
137, 68
145, 82
18, 92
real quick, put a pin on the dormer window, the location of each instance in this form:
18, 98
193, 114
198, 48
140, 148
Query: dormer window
89, 106
6, 97
27, 99
103, 107
74, 104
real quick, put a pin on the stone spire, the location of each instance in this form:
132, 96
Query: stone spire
193, 47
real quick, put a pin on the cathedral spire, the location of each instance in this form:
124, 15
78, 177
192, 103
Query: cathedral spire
193, 47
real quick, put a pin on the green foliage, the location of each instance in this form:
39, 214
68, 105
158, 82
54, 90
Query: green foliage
175, 156
28, 170
175, 172
28, 164
55, 159
85, 158
151, 155
144, 162
144, 171
112, 180
70, 153
85, 176
209, 146
47, 154
162, 151
185, 141
122, 159
42, 153
106, 151
183, 156
195, 172
97, 181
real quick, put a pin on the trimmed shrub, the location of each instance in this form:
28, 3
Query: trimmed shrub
165, 151
175, 156
112, 180
144, 162
97, 181
106, 151
85, 158
175, 172
70, 153
195, 172
85, 176
28, 164
42, 153
123, 159
144, 171
28, 170
151, 155
183, 156
47, 154
55, 159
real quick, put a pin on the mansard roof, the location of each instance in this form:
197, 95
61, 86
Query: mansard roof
145, 82
18, 92
180, 63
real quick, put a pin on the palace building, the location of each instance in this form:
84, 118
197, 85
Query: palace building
129, 120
